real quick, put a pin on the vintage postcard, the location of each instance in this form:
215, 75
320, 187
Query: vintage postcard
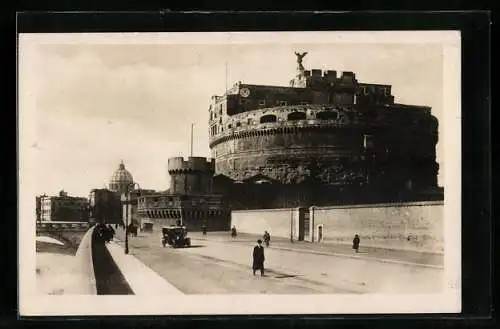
239, 173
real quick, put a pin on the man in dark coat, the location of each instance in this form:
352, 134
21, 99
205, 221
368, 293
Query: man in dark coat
258, 258
110, 233
355, 243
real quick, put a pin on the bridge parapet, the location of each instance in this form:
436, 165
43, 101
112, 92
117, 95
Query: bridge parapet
71, 233
62, 226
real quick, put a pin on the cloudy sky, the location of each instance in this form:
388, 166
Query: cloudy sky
95, 104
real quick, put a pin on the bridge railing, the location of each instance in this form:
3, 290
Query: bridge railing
54, 226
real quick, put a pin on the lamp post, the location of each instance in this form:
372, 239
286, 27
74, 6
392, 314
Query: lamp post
130, 188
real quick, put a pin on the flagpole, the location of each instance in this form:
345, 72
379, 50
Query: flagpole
192, 124
226, 75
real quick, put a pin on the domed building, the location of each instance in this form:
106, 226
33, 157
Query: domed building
121, 179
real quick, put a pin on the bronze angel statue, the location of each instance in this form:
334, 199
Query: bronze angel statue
300, 57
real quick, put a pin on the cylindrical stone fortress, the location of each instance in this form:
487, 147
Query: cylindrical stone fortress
332, 131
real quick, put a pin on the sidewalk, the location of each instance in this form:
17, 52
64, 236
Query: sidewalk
403, 257
142, 279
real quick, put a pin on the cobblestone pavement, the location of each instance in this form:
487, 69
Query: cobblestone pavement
219, 265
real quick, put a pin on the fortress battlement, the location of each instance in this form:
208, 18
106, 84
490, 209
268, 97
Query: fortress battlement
325, 127
200, 164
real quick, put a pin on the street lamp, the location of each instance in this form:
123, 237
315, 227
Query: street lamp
130, 188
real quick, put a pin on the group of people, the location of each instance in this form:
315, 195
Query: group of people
104, 232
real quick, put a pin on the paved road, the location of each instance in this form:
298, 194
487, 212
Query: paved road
194, 273
219, 267
379, 254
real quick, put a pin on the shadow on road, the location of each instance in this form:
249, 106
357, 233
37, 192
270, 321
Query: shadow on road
180, 248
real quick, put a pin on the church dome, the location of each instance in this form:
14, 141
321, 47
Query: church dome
121, 179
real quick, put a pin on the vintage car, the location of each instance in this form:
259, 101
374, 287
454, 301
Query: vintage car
147, 226
175, 236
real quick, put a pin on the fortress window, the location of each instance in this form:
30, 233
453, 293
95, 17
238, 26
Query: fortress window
327, 115
365, 90
249, 121
368, 142
238, 124
262, 102
268, 118
220, 120
297, 116
229, 126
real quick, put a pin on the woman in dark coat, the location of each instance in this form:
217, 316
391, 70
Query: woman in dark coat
258, 258
355, 243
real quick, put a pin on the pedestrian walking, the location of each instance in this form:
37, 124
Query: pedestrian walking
258, 258
110, 233
355, 243
267, 238
233, 232
204, 229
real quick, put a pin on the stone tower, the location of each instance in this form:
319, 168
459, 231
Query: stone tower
191, 177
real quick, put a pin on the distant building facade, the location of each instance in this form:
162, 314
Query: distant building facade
190, 198
38, 208
64, 208
104, 206
326, 138
129, 206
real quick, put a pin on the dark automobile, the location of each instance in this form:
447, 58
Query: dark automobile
175, 236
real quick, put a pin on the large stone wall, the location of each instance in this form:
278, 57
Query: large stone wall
276, 221
409, 226
415, 226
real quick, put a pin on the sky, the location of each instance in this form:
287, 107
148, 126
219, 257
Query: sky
96, 104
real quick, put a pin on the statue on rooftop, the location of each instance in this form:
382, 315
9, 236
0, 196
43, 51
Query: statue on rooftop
299, 59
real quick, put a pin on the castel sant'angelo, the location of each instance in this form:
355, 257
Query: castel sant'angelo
326, 139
